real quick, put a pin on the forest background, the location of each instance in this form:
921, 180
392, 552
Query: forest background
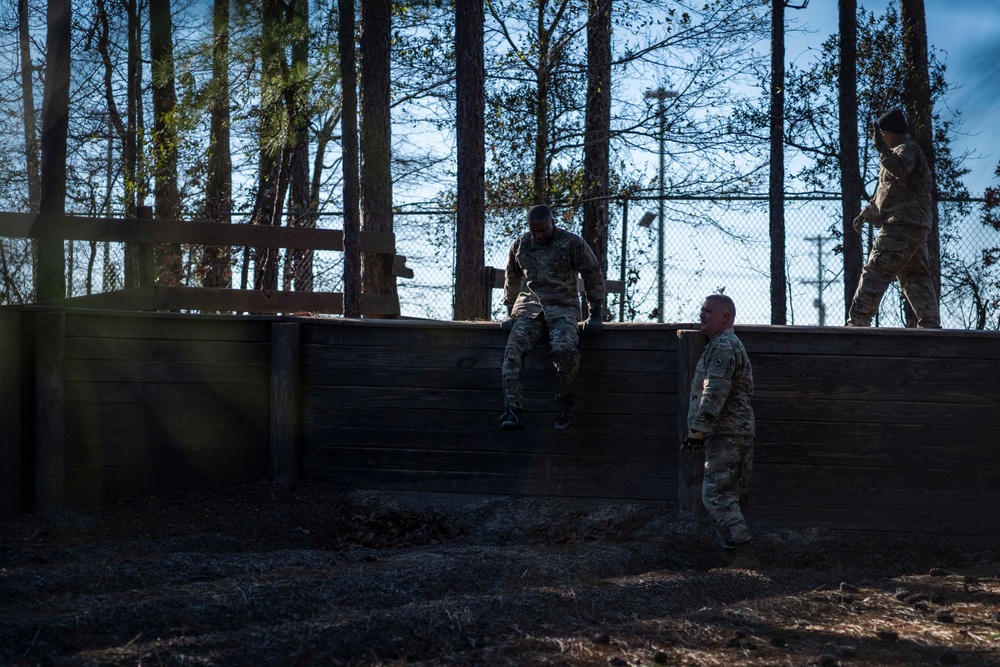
443, 122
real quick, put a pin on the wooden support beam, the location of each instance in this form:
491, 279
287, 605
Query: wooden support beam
50, 411
81, 228
218, 299
690, 463
146, 258
10, 415
285, 420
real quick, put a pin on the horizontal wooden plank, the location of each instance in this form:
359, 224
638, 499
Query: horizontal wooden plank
901, 445
183, 393
820, 367
181, 351
607, 381
870, 412
183, 453
95, 371
328, 415
979, 524
394, 398
856, 481
577, 443
90, 439
358, 356
168, 327
498, 463
568, 486
874, 389
127, 416
83, 228
333, 331
854, 342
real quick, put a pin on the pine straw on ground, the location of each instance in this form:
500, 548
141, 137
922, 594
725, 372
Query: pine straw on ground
315, 575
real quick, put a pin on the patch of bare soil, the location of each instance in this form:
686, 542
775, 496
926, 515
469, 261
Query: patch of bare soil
316, 575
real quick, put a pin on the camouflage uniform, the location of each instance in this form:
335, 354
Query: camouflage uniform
541, 289
719, 407
902, 207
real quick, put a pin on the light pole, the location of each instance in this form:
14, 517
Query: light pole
660, 94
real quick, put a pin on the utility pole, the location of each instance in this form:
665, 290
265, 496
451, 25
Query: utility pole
820, 283
660, 94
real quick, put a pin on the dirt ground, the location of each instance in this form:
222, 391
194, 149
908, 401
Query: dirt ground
315, 575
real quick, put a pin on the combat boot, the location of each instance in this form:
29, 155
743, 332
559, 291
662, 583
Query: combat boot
744, 557
511, 420
565, 417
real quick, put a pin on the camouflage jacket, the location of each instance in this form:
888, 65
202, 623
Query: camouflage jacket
905, 187
722, 389
542, 278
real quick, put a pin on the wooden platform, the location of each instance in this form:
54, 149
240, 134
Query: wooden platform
871, 430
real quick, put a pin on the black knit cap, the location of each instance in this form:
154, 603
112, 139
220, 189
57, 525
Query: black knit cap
893, 121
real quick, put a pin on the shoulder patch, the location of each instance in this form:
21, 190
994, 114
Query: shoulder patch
718, 361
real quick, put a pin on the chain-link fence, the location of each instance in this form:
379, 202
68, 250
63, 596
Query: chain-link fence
709, 245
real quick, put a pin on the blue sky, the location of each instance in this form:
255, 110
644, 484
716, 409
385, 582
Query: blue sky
968, 34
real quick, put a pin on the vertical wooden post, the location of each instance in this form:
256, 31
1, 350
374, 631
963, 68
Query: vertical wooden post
690, 463
285, 403
10, 415
147, 265
50, 411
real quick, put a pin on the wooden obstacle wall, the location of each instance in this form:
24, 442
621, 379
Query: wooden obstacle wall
870, 430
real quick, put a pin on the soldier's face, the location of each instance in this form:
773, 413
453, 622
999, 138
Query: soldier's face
891, 138
714, 317
541, 230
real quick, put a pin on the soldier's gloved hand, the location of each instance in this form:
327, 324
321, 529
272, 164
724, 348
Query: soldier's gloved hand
880, 144
594, 324
859, 223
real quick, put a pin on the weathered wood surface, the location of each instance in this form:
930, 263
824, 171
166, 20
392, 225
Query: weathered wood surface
164, 402
882, 430
286, 373
11, 487
416, 407
50, 411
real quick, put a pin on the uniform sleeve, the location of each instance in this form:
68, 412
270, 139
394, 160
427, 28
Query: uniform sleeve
512, 277
590, 270
719, 368
898, 161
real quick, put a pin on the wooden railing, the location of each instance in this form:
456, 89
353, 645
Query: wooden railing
149, 296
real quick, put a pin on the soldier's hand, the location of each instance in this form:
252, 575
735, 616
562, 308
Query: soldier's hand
859, 223
594, 323
507, 324
880, 144
692, 442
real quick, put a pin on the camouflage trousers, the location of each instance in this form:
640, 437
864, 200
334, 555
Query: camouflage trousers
728, 466
564, 337
899, 251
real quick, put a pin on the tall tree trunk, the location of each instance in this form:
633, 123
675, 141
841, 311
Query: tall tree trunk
470, 263
299, 117
272, 176
51, 281
349, 146
851, 185
776, 187
28, 107
376, 140
542, 85
169, 264
130, 148
597, 129
216, 262
920, 113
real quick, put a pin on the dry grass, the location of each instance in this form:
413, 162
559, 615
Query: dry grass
318, 576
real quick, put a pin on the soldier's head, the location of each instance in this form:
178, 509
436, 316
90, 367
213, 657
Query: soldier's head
718, 313
541, 224
892, 125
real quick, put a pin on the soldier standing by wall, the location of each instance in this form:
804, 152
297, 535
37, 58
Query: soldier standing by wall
540, 292
720, 418
902, 208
